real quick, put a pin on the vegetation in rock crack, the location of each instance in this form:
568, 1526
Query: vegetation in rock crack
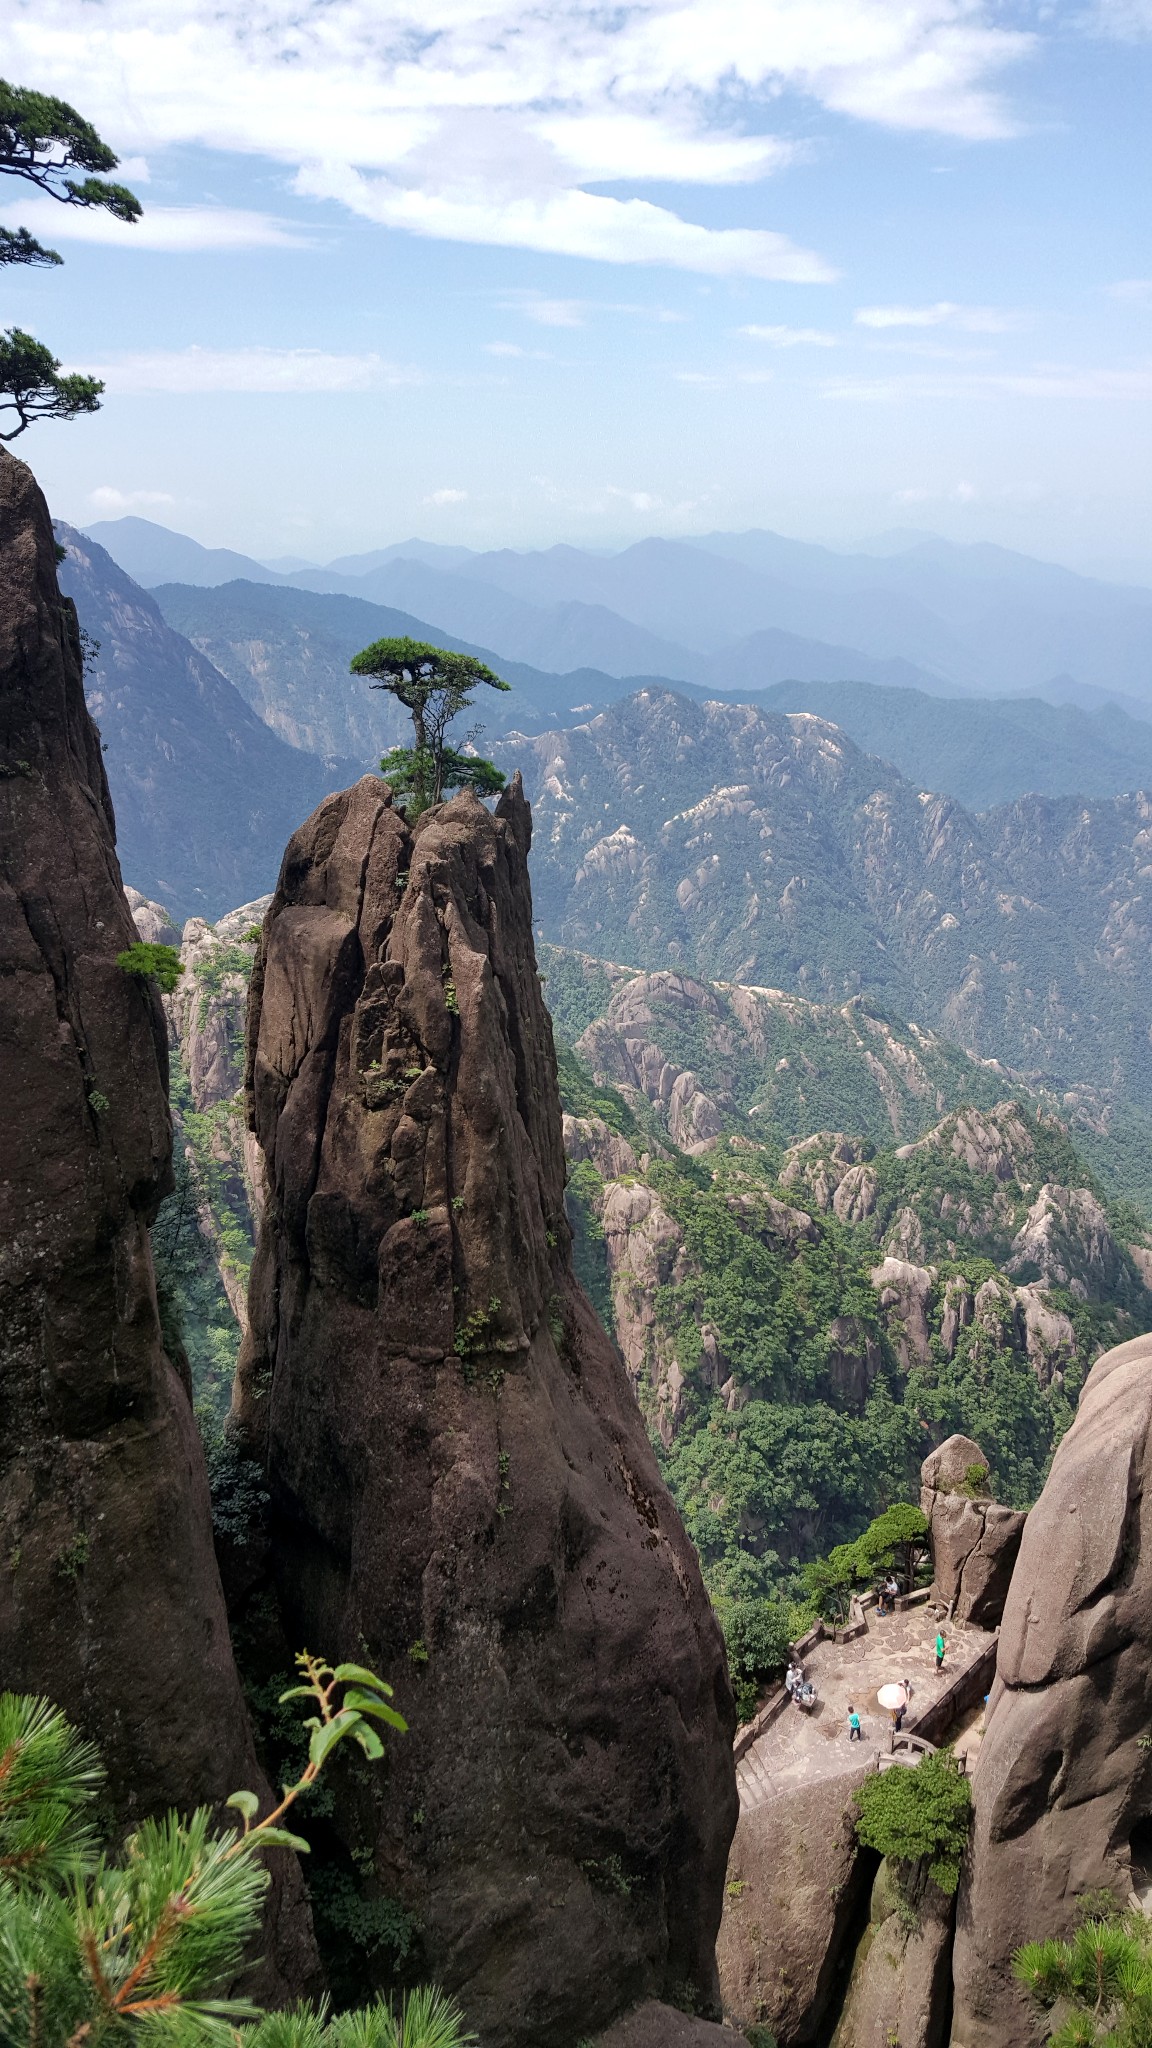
43, 141
96, 1947
1102, 1977
151, 962
434, 685
919, 1817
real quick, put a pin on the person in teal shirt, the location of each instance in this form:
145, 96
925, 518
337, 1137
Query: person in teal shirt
940, 1647
855, 1732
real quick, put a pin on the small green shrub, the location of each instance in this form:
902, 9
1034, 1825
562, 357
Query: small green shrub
918, 1816
148, 962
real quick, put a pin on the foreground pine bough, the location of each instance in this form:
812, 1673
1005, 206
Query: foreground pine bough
96, 1946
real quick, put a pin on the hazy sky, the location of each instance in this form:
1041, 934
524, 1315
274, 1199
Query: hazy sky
501, 272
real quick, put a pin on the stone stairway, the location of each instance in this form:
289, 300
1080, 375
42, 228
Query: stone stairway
753, 1780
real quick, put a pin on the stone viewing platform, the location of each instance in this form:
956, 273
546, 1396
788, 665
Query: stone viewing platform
796, 1747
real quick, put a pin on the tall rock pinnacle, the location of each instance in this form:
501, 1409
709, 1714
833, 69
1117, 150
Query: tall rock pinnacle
462, 1490
110, 1599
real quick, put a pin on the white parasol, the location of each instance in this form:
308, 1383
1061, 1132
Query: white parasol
892, 1696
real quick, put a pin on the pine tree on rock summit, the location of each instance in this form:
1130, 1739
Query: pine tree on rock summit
434, 685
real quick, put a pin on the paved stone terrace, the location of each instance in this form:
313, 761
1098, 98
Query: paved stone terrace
799, 1747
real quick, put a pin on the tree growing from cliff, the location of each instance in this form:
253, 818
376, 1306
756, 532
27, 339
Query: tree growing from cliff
434, 685
918, 1817
142, 1947
43, 141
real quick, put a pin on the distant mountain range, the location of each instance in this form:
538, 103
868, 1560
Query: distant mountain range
287, 651
737, 611
752, 846
206, 794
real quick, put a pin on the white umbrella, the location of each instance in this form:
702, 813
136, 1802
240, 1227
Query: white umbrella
892, 1696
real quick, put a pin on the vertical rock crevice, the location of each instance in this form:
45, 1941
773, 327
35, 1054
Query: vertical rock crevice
456, 1466
110, 1600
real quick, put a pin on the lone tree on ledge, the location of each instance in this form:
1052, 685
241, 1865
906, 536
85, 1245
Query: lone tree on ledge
434, 685
41, 141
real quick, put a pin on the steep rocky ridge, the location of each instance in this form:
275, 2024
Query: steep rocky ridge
727, 842
110, 1600
452, 1452
205, 792
1063, 1784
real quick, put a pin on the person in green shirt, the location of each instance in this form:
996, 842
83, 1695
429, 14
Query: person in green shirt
855, 1732
940, 1648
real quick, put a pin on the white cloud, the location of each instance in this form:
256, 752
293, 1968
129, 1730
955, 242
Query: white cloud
570, 223
446, 497
945, 313
488, 117
792, 337
176, 229
1133, 290
552, 312
106, 498
249, 369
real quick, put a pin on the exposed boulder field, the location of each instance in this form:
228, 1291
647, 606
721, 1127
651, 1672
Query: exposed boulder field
462, 1490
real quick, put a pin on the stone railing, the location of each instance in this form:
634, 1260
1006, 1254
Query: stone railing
969, 1686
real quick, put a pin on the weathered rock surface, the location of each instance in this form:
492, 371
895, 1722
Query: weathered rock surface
1065, 1241
1049, 1337
905, 1289
899, 1988
151, 920
975, 1542
590, 1138
110, 1599
661, 2026
993, 1141
793, 1886
1062, 1781
453, 1453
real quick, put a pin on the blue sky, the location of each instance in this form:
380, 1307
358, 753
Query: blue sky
504, 273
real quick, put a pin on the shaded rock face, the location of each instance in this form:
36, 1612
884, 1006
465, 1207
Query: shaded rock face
110, 1601
794, 1880
899, 1988
453, 1453
661, 2026
1062, 1782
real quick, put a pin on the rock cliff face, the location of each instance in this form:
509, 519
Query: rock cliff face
455, 1462
975, 1542
110, 1599
1063, 1785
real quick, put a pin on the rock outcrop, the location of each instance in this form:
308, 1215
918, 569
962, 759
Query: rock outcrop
975, 1542
661, 2026
454, 1457
1063, 1784
899, 1988
794, 1882
1065, 1241
905, 1290
110, 1599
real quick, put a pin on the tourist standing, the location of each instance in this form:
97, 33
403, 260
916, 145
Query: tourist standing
940, 1648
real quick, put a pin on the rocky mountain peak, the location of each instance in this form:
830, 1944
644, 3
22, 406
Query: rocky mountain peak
452, 1450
